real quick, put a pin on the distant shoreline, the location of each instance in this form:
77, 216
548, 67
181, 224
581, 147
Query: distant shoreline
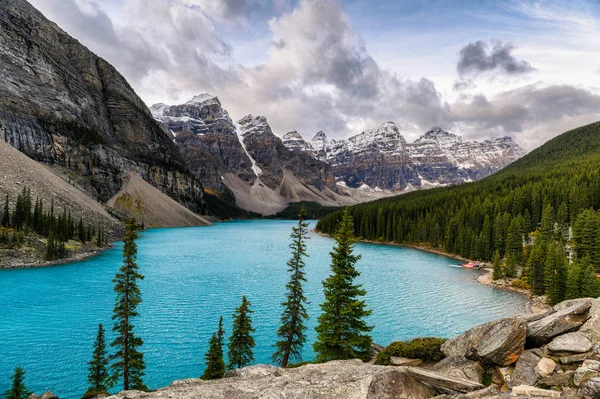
534, 304
78, 257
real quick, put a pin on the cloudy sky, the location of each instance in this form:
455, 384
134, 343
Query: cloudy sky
480, 68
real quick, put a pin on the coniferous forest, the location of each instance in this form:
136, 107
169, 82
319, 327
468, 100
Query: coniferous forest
29, 217
540, 215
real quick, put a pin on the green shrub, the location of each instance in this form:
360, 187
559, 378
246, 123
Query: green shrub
426, 349
521, 284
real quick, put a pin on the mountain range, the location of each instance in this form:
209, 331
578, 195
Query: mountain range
265, 172
69, 109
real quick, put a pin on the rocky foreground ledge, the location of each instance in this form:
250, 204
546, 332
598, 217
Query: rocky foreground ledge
551, 355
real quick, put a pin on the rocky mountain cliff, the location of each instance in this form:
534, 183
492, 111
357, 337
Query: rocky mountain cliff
207, 138
63, 105
382, 159
245, 158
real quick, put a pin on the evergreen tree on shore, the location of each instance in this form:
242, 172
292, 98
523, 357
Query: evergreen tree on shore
98, 376
535, 268
342, 332
291, 333
215, 366
221, 332
6, 214
241, 343
18, 390
128, 361
497, 265
555, 274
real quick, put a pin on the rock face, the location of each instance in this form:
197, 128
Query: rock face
381, 158
497, 343
273, 157
563, 321
245, 158
342, 379
63, 105
576, 342
208, 139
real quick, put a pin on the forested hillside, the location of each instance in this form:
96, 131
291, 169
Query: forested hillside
536, 199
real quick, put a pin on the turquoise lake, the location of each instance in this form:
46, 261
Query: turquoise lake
49, 316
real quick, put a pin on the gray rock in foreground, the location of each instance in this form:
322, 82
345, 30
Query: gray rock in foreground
350, 379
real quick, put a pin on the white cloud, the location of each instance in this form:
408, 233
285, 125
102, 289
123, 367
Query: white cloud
316, 73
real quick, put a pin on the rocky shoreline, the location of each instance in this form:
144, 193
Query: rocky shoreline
20, 264
555, 354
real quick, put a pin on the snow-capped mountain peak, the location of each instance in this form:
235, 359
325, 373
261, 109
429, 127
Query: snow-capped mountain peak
204, 99
295, 142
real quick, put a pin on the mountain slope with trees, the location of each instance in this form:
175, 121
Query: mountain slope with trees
550, 196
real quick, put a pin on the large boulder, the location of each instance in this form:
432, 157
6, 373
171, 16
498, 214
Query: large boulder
396, 384
575, 342
497, 343
525, 370
565, 320
592, 326
442, 382
590, 388
351, 379
460, 367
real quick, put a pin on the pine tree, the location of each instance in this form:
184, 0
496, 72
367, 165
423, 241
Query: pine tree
291, 333
535, 268
588, 283
215, 366
128, 360
50, 247
498, 269
6, 214
18, 389
555, 274
510, 267
241, 343
342, 332
221, 332
98, 376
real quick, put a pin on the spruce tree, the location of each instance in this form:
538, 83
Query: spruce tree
221, 332
240, 348
510, 267
291, 332
98, 376
342, 332
6, 214
535, 268
498, 269
215, 366
552, 282
18, 390
128, 362
51, 250
588, 283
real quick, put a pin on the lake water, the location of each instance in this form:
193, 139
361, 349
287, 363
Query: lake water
49, 316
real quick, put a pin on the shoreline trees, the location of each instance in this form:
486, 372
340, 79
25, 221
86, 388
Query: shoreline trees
342, 332
291, 332
98, 376
241, 343
128, 361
